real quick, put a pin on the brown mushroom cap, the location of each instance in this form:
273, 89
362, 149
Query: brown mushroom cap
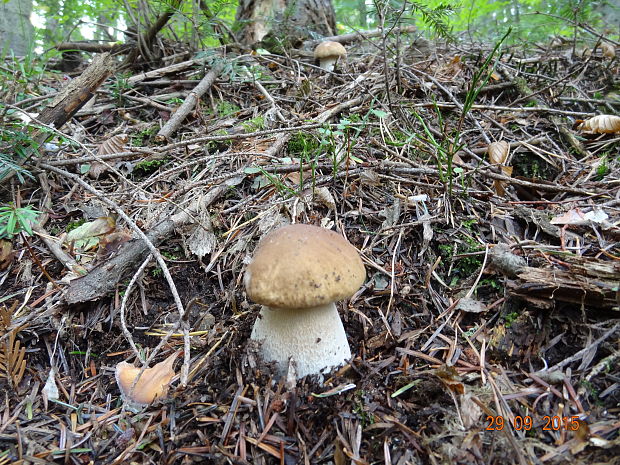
303, 266
329, 49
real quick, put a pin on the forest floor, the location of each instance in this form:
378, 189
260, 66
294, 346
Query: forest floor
487, 331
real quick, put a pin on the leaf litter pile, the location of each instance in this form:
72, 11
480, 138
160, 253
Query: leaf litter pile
480, 188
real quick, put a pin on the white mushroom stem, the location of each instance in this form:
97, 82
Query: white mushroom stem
328, 63
313, 337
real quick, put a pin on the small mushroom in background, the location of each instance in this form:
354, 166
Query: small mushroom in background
152, 385
298, 273
328, 53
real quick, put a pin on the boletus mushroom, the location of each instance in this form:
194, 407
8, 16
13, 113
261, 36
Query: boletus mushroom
328, 53
297, 273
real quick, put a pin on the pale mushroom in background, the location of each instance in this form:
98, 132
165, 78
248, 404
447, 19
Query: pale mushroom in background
298, 273
152, 385
328, 53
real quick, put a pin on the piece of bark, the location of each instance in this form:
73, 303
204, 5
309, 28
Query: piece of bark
103, 279
587, 281
68, 101
77, 92
503, 260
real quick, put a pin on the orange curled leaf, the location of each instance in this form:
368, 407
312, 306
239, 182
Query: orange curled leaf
601, 124
498, 154
153, 384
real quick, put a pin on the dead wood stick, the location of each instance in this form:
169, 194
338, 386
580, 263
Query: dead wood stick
148, 244
54, 246
588, 281
56, 249
537, 109
347, 38
67, 103
274, 106
92, 47
103, 279
527, 93
170, 69
145, 40
77, 92
513, 145
323, 117
189, 104
333, 111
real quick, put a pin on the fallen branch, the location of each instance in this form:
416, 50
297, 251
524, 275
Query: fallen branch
189, 104
103, 279
588, 282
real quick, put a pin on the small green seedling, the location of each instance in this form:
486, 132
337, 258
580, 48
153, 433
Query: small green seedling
15, 220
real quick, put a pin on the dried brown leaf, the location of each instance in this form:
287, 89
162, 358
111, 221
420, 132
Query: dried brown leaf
339, 457
323, 196
498, 152
6, 254
470, 411
110, 243
88, 235
12, 354
451, 379
601, 124
114, 144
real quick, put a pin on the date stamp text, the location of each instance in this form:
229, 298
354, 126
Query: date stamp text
526, 423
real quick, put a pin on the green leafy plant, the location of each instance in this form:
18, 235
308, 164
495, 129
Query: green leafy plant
225, 108
15, 144
275, 180
305, 147
602, 169
139, 138
464, 253
15, 220
171, 255
75, 224
432, 16
254, 124
510, 318
337, 143
149, 166
302, 144
445, 148
119, 86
